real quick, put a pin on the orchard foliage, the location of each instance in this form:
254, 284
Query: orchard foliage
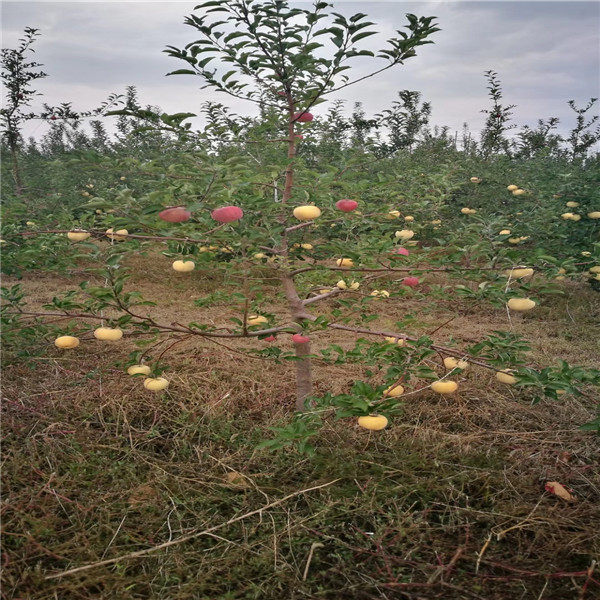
240, 184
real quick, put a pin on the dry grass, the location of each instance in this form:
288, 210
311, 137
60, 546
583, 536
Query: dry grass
449, 503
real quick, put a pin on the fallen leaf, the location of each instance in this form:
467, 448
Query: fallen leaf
559, 490
237, 479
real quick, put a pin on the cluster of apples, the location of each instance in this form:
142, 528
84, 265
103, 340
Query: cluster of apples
516, 190
570, 216
309, 212
113, 334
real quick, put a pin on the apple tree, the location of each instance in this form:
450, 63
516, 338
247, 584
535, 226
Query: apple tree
338, 241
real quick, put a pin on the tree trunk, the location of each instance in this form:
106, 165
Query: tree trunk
16, 170
296, 308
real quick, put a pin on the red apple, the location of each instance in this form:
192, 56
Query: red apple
53, 118
347, 205
298, 338
227, 214
400, 252
175, 214
300, 137
303, 117
410, 281
271, 338
281, 93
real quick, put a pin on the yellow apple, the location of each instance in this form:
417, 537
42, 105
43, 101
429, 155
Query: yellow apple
373, 422
575, 217
436, 222
512, 188
514, 240
595, 269
393, 214
394, 391
155, 384
306, 246
505, 232
260, 255
594, 214
453, 363
586, 253
184, 266
257, 320
475, 180
66, 341
395, 340
78, 235
122, 178
120, 234
409, 218
108, 334
518, 192
344, 262
519, 273
572, 204
405, 234
138, 369
506, 377
566, 216
307, 213
86, 194
444, 387
520, 304
380, 293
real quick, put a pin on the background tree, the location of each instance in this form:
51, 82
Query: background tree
18, 74
497, 123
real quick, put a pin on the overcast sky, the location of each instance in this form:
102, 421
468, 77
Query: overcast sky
545, 53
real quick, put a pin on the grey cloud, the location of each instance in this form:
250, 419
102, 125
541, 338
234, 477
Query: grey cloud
545, 53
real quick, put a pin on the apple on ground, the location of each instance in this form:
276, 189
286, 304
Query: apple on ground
373, 422
155, 384
410, 281
184, 266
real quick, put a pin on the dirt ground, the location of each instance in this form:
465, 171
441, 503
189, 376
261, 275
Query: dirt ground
448, 502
